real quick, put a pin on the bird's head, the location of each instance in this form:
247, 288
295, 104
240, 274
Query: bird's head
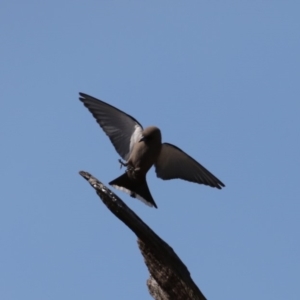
151, 134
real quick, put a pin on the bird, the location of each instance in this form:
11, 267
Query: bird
141, 149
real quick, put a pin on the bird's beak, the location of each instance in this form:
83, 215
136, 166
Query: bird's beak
142, 139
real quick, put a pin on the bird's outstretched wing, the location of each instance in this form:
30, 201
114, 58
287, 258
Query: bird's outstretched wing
174, 163
122, 129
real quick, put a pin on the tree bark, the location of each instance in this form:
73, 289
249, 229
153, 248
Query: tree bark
169, 277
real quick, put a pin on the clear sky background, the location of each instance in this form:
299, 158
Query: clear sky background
221, 80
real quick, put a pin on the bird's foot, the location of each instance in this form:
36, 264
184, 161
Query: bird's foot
133, 171
130, 169
122, 164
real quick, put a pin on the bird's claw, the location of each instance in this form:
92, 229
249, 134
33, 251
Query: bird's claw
130, 169
122, 164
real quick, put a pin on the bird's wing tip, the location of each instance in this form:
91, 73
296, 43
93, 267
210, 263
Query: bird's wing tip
221, 185
82, 97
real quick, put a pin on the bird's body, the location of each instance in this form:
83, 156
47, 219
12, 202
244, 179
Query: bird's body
145, 153
143, 156
143, 148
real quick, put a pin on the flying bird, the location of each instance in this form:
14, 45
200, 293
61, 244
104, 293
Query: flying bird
141, 149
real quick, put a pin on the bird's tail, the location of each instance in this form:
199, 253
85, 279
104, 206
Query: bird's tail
135, 188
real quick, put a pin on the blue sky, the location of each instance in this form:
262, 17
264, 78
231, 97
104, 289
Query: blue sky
221, 80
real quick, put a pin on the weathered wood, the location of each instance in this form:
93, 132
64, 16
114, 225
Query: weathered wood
169, 277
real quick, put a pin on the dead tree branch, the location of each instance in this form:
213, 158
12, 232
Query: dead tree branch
169, 277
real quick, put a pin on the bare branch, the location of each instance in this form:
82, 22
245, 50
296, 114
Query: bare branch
169, 277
